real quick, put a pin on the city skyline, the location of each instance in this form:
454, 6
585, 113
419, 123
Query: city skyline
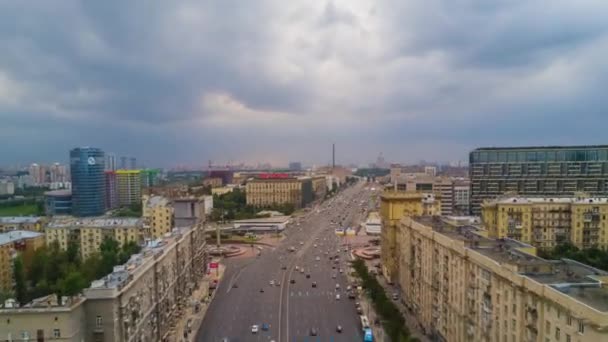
181, 84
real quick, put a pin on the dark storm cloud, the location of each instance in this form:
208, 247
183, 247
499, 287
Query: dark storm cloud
241, 75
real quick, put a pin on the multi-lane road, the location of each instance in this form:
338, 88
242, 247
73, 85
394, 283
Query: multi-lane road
291, 310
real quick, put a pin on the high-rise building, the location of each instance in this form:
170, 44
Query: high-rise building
110, 162
128, 183
87, 169
295, 166
38, 174
394, 205
462, 193
149, 177
537, 171
463, 286
111, 190
7, 187
547, 222
133, 163
430, 170
58, 173
123, 163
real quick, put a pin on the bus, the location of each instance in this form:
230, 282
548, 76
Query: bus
368, 336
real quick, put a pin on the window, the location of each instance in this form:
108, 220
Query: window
569, 320
514, 309
557, 332
581, 327
99, 321
56, 333
513, 323
25, 335
568, 339
547, 327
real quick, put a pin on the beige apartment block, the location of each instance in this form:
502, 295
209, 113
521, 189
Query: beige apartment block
157, 213
31, 223
465, 287
15, 242
90, 232
128, 185
319, 186
277, 191
394, 205
44, 320
547, 222
139, 301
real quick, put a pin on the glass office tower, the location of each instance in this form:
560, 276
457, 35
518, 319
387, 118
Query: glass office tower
537, 171
87, 168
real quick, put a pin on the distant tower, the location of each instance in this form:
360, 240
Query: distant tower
123, 163
133, 163
87, 166
333, 156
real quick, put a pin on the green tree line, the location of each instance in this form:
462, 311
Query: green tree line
53, 270
392, 319
594, 256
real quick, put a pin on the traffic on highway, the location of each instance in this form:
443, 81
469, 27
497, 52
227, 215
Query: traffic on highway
297, 289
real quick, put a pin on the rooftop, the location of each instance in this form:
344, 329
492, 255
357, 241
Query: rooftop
388, 194
17, 235
545, 200
274, 219
539, 147
19, 219
58, 193
156, 201
94, 222
574, 279
135, 266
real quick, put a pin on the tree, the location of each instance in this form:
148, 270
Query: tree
73, 252
37, 269
20, 284
72, 284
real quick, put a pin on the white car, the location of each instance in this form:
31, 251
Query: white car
254, 329
318, 259
337, 296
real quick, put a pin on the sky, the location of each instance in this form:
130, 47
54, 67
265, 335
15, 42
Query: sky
184, 82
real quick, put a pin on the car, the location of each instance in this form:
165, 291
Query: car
333, 276
337, 286
277, 283
395, 296
292, 281
255, 329
297, 268
302, 271
337, 296
225, 339
235, 286
265, 326
313, 332
262, 290
315, 245
283, 267
333, 267
301, 243
272, 283
359, 310
341, 271
351, 295
318, 259
339, 328
348, 288
308, 276
314, 284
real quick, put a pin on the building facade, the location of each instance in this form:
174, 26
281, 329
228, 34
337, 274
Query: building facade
157, 213
7, 187
537, 171
87, 170
394, 205
111, 190
215, 182
58, 202
90, 232
128, 185
23, 242
319, 187
139, 301
462, 286
150, 177
547, 222
34, 224
279, 189
462, 195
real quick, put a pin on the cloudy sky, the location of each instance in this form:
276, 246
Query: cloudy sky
273, 80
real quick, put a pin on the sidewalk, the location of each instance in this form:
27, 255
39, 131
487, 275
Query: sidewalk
410, 320
191, 320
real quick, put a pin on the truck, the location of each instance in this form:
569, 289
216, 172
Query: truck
367, 335
364, 322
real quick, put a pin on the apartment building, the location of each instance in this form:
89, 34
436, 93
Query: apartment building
89, 233
319, 187
537, 171
546, 222
139, 301
462, 195
445, 186
157, 213
394, 205
13, 242
463, 286
215, 182
31, 223
128, 185
277, 189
